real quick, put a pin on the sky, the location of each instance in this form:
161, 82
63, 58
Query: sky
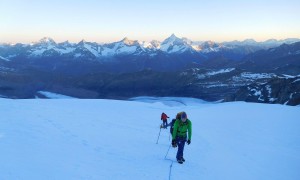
111, 20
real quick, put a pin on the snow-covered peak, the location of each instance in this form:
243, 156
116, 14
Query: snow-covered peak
41, 46
125, 46
129, 42
65, 44
206, 47
47, 40
242, 43
188, 41
145, 44
82, 42
155, 44
290, 40
150, 45
171, 39
249, 41
197, 47
270, 41
174, 44
8, 44
84, 46
173, 36
209, 44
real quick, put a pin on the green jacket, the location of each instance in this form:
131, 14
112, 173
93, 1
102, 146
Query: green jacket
181, 128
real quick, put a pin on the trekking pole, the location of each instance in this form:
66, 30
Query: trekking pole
158, 135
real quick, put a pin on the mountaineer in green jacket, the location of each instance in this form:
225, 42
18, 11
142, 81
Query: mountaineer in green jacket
181, 127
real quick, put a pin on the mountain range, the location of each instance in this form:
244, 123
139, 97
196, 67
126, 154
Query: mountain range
172, 45
227, 71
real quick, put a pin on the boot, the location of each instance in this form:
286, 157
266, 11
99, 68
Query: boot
179, 161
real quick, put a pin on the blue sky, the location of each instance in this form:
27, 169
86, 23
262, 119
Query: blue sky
111, 20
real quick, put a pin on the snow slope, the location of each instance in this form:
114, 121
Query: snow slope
3, 58
102, 139
172, 101
213, 73
51, 95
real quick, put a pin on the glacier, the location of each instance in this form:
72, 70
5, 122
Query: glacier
102, 139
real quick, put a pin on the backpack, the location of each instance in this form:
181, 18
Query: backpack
178, 116
172, 124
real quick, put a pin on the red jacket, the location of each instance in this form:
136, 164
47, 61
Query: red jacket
164, 117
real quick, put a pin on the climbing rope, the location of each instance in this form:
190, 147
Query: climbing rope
171, 165
168, 151
158, 136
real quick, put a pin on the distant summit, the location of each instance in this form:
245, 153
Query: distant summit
47, 40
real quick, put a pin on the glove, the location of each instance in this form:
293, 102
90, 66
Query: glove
188, 142
174, 143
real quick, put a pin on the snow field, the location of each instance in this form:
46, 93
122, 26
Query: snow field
102, 139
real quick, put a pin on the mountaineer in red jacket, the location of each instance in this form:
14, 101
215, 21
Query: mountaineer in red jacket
164, 118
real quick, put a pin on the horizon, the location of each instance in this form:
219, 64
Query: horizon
106, 22
36, 41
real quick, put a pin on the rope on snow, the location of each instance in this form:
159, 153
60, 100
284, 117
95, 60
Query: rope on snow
171, 165
158, 136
